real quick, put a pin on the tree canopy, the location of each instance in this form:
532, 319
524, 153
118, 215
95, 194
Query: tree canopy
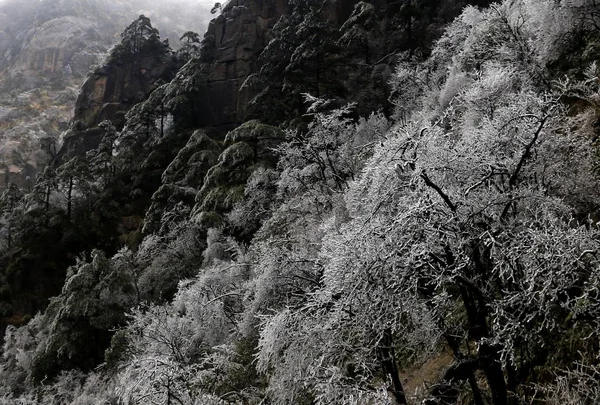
442, 251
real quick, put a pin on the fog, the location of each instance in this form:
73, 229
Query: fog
171, 17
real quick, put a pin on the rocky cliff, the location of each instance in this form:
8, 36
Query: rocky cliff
133, 70
46, 51
68, 44
233, 42
230, 51
232, 46
115, 86
42, 68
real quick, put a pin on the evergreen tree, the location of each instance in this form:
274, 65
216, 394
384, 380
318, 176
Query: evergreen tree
11, 197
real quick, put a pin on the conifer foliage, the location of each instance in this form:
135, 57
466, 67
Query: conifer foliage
447, 252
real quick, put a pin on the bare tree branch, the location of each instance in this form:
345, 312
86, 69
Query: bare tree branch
440, 192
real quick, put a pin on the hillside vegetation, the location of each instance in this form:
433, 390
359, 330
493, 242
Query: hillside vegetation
48, 47
434, 241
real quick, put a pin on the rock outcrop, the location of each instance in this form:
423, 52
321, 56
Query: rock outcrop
46, 50
232, 44
42, 68
127, 78
66, 43
116, 86
230, 54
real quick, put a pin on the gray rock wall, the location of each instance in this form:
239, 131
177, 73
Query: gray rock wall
238, 36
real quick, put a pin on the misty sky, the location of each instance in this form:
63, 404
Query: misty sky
207, 2
171, 17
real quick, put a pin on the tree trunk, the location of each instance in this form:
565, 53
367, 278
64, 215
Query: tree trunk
477, 398
490, 362
388, 362
162, 119
47, 202
70, 197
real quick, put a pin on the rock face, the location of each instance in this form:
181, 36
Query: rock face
236, 38
232, 44
47, 49
113, 88
40, 72
65, 43
231, 48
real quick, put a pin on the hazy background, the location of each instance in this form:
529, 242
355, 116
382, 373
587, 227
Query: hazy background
47, 48
171, 17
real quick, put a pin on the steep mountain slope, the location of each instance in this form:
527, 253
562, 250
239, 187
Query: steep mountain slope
47, 50
369, 209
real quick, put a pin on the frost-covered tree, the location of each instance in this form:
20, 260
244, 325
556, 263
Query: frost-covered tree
183, 94
184, 350
102, 159
45, 186
165, 259
302, 57
447, 232
360, 29
74, 178
9, 203
80, 321
140, 36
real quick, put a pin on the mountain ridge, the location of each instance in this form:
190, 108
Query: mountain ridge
348, 203
49, 48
